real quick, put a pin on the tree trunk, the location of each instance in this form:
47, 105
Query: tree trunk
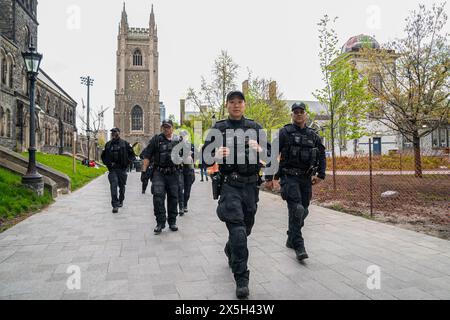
417, 156
333, 156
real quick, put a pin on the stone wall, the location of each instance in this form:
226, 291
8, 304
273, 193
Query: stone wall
62, 180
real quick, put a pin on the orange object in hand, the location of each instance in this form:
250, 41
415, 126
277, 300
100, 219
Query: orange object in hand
213, 169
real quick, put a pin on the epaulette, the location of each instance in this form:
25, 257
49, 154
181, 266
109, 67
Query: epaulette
221, 125
290, 128
249, 123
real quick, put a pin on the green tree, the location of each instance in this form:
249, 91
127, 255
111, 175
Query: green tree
345, 94
176, 125
211, 97
413, 76
269, 111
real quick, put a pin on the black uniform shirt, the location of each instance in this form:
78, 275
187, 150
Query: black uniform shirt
150, 152
234, 125
322, 161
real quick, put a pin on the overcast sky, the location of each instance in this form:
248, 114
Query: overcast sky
274, 39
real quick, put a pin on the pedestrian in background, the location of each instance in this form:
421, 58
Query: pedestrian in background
117, 156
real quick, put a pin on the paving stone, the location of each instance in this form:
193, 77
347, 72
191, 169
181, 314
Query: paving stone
121, 258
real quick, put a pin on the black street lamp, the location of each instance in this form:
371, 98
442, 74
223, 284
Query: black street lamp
32, 179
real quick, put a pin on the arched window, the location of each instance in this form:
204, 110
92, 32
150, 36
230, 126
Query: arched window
8, 123
25, 87
47, 105
10, 72
137, 58
4, 68
1, 122
47, 135
27, 37
136, 119
38, 98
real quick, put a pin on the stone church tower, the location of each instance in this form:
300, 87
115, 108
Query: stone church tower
136, 110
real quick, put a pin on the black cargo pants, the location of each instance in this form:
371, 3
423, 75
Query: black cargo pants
237, 208
117, 179
163, 184
187, 179
297, 191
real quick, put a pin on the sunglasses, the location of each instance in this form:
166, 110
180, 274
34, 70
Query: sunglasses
297, 112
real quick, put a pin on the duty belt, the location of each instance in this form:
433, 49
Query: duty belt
167, 170
295, 172
237, 178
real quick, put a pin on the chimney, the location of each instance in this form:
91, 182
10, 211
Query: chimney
182, 111
245, 86
273, 91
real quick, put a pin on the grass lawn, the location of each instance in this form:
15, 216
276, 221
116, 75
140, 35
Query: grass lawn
16, 201
63, 164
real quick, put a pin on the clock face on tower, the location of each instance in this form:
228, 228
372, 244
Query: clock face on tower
136, 82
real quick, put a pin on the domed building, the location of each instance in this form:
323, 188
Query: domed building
358, 42
384, 140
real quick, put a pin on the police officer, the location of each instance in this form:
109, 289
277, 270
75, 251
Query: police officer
240, 193
302, 164
117, 156
187, 174
165, 176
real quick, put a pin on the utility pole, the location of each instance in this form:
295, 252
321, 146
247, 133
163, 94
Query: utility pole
88, 82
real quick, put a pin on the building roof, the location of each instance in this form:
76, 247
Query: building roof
45, 78
360, 41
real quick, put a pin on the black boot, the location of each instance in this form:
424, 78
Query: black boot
242, 290
115, 210
289, 244
301, 254
173, 227
159, 228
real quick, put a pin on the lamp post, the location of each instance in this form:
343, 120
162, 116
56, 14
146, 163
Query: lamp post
88, 82
32, 179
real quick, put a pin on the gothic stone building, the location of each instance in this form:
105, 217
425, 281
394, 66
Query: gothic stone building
56, 110
137, 109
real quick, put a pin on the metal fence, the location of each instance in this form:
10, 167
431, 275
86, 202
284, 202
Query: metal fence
388, 188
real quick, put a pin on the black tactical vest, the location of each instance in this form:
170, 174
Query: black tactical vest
164, 148
300, 150
242, 169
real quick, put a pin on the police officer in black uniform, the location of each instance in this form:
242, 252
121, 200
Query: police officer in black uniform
165, 176
187, 174
302, 164
239, 193
117, 156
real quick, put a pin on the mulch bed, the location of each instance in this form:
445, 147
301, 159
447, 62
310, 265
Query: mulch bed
421, 204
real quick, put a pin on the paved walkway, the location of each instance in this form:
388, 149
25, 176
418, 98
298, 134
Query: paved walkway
120, 258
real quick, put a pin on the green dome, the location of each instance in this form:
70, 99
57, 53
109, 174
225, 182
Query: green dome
362, 41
